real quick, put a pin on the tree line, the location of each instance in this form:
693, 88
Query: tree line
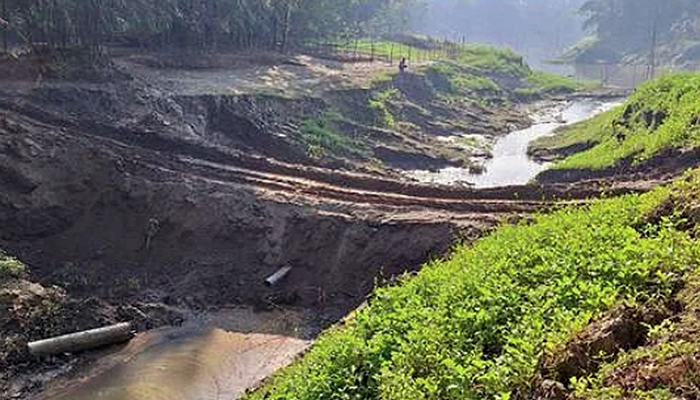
195, 24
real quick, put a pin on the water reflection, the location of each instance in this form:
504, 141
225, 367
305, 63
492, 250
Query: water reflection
510, 164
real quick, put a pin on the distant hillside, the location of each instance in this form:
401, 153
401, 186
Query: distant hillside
630, 31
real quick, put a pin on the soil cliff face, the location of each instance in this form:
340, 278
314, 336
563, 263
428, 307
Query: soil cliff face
103, 218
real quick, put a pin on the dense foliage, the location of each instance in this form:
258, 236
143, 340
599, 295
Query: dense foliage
476, 325
660, 115
196, 23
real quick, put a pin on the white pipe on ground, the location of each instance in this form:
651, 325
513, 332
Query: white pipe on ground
85, 340
275, 278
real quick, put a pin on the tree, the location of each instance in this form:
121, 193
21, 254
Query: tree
196, 24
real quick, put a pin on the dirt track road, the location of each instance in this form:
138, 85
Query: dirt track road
354, 193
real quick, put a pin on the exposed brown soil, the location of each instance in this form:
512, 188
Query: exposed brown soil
668, 361
622, 329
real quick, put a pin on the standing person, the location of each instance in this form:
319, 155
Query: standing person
403, 65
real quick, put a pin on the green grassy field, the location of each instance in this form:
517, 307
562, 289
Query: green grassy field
661, 114
476, 325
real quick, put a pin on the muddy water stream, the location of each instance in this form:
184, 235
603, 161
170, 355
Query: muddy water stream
510, 164
204, 360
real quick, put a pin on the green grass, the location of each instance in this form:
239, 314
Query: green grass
475, 326
589, 132
379, 103
478, 77
10, 267
674, 340
453, 78
489, 59
540, 83
675, 96
472, 70
322, 139
385, 48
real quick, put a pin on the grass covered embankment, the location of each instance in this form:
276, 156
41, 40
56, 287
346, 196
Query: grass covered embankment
500, 74
480, 324
660, 115
450, 90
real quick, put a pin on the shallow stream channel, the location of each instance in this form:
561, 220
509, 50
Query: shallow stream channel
510, 164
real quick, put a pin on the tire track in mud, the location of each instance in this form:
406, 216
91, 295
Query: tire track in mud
226, 166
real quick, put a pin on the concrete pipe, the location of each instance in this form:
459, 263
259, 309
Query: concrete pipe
275, 278
85, 340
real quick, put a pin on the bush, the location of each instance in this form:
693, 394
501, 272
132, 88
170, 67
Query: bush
380, 105
9, 267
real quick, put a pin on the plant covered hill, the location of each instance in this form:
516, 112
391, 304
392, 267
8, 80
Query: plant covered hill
485, 323
489, 72
660, 121
624, 31
396, 119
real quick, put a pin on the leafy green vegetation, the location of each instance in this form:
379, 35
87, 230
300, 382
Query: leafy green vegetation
666, 366
476, 325
660, 115
322, 139
380, 105
493, 73
202, 25
10, 267
454, 78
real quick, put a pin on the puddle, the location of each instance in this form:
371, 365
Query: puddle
189, 363
510, 164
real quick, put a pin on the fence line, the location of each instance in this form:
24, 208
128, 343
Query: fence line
380, 51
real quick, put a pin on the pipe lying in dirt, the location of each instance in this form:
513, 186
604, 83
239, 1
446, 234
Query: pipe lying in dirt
275, 278
81, 341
